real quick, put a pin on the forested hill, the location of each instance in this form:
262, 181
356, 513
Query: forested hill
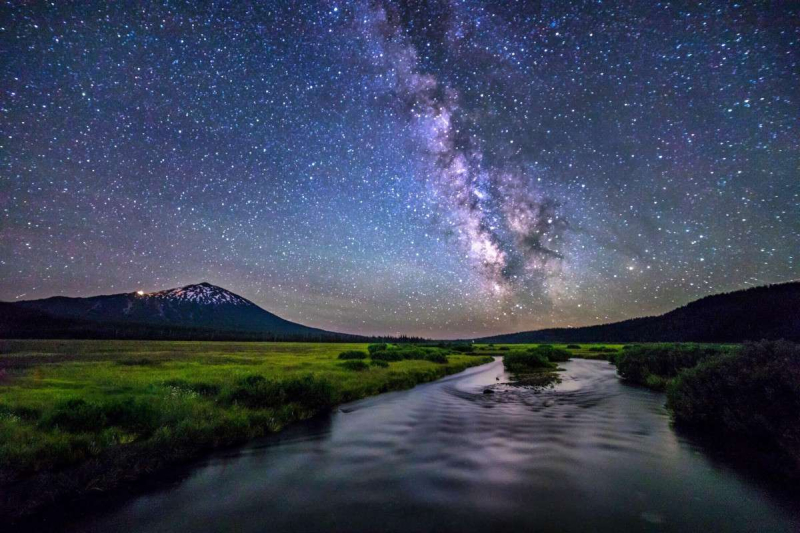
768, 312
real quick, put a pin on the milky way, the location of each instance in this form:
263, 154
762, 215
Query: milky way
465, 189
431, 168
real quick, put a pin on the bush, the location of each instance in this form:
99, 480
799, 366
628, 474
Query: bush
573, 347
554, 355
602, 349
354, 365
257, 392
80, 416
353, 354
463, 348
386, 355
662, 360
133, 415
753, 394
76, 416
504, 348
544, 346
374, 348
144, 361
379, 363
531, 361
411, 352
436, 357
19, 412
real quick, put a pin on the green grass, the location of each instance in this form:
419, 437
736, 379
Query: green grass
580, 351
63, 403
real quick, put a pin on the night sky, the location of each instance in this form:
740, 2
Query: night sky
444, 169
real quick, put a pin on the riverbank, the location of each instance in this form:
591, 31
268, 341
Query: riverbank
83, 416
744, 394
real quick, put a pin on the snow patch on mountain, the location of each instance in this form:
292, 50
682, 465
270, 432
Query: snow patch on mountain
200, 293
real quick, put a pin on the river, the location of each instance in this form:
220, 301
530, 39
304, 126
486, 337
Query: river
590, 454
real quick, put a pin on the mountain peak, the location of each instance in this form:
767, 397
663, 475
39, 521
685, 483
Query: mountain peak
200, 293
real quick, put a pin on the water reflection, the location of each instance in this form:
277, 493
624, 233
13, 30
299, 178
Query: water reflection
586, 454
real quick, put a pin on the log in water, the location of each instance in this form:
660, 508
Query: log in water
590, 454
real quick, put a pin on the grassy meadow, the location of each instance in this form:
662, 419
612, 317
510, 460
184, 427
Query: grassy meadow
580, 351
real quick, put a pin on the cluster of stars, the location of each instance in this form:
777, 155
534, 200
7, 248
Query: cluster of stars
444, 169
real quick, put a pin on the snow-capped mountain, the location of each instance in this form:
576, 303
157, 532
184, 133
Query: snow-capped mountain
200, 305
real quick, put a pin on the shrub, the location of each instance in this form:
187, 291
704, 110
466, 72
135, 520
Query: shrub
133, 415
76, 416
662, 360
545, 346
20, 412
143, 361
753, 394
80, 416
353, 354
412, 352
310, 391
463, 348
257, 392
386, 355
531, 361
602, 349
420, 353
436, 357
379, 363
555, 355
504, 348
374, 348
573, 346
354, 365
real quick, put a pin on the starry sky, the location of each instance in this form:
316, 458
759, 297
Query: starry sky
441, 168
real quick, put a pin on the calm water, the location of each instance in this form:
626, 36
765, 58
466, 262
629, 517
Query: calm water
590, 455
